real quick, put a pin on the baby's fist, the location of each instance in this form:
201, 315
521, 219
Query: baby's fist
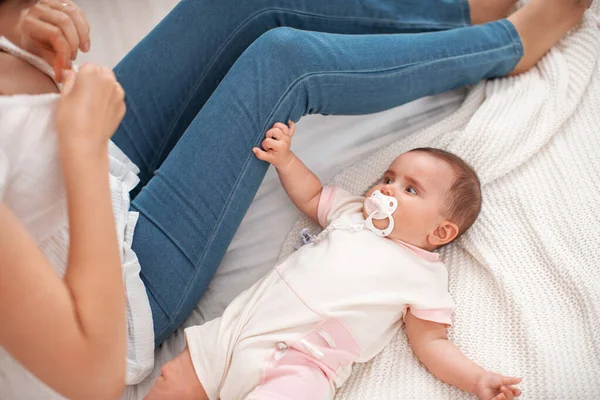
276, 146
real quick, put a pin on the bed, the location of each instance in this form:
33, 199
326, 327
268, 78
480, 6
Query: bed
564, 284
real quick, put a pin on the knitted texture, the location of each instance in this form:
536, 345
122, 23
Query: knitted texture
525, 277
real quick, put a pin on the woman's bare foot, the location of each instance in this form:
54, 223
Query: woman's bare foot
483, 11
541, 24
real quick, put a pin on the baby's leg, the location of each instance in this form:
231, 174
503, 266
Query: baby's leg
178, 380
294, 378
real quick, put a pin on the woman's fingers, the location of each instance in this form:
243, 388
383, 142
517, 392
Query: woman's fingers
61, 20
91, 105
80, 22
53, 46
69, 82
57, 30
120, 92
120, 95
46, 35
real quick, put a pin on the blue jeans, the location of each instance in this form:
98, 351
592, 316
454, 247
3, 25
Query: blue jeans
205, 85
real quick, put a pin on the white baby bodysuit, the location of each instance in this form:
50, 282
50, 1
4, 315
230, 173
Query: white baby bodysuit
334, 302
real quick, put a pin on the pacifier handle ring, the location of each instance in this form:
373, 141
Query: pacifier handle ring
380, 232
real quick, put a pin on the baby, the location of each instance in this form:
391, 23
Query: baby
340, 299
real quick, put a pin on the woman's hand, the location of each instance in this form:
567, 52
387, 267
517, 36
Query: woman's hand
55, 30
91, 107
492, 386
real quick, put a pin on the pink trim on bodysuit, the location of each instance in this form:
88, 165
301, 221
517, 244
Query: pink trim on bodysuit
325, 203
424, 254
439, 315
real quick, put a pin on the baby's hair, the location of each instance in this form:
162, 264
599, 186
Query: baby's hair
464, 199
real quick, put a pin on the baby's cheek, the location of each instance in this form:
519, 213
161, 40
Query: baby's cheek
370, 191
410, 217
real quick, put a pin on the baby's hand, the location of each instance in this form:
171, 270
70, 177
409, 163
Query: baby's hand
277, 145
491, 386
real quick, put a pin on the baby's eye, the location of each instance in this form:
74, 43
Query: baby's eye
411, 190
387, 180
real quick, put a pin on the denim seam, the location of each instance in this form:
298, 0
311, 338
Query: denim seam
466, 13
169, 236
150, 293
310, 75
364, 19
132, 109
245, 23
251, 155
211, 239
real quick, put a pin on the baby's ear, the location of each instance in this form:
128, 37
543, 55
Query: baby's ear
446, 232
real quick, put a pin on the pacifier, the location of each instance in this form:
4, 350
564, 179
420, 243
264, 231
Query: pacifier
380, 206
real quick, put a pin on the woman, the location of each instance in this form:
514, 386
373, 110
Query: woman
202, 89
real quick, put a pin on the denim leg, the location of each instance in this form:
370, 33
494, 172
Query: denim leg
192, 207
171, 73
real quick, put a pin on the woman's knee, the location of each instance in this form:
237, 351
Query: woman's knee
288, 49
281, 36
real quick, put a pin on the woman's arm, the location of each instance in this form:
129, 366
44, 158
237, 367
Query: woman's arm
54, 327
71, 333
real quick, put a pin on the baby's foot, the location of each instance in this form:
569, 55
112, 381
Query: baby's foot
483, 11
541, 24
178, 380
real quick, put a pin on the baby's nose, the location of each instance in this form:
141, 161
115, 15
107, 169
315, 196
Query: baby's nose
386, 190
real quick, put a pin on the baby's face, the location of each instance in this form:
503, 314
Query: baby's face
421, 183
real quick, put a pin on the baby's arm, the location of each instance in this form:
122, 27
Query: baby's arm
300, 183
444, 360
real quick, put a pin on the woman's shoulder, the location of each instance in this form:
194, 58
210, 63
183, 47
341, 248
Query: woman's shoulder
17, 76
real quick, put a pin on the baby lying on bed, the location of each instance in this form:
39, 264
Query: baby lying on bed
340, 299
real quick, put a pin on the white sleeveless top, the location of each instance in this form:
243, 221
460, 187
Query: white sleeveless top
31, 184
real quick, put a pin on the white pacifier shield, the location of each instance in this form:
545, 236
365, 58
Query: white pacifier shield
380, 206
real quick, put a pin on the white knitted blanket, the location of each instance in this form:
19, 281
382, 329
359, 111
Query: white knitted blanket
525, 278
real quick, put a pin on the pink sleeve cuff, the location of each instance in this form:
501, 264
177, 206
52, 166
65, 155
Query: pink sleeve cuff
439, 315
325, 203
